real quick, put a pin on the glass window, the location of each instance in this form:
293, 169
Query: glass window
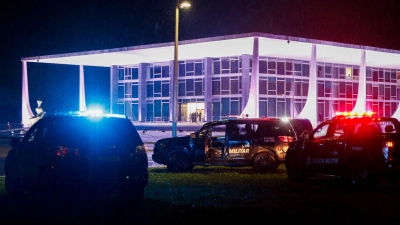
150, 90
216, 67
198, 69
190, 85
181, 90
234, 66
280, 68
182, 69
225, 106
271, 84
135, 90
121, 91
198, 89
121, 74
157, 108
320, 71
263, 87
157, 69
234, 87
216, 87
189, 67
321, 132
263, 67
305, 70
225, 63
280, 87
157, 86
289, 68
234, 107
165, 90
165, 71
135, 73
225, 83
271, 107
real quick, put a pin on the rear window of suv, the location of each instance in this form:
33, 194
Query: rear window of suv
278, 128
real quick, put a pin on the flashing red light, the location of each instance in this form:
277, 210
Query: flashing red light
355, 114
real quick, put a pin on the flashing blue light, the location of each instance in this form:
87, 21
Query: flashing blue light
92, 112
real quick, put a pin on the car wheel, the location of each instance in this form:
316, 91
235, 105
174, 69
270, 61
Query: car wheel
178, 162
360, 177
11, 183
264, 162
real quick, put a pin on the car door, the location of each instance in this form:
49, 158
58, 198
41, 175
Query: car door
334, 149
315, 150
201, 144
240, 140
216, 142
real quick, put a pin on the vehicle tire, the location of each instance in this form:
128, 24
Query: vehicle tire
264, 162
11, 181
178, 162
360, 177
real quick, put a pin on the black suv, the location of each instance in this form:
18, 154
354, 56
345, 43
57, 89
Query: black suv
361, 148
260, 142
76, 153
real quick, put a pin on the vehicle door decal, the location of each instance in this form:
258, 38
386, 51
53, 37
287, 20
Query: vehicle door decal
241, 149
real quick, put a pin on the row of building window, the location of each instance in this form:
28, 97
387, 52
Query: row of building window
283, 87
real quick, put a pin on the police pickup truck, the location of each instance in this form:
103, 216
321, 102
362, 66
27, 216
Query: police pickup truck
361, 147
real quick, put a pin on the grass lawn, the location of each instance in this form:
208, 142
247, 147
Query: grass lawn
223, 194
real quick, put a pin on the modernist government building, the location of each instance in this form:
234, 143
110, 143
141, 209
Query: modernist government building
252, 74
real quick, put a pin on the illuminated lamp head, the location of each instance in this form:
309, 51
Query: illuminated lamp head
285, 119
92, 112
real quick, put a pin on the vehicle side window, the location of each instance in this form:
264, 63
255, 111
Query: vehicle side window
247, 129
217, 130
368, 128
383, 125
338, 130
321, 132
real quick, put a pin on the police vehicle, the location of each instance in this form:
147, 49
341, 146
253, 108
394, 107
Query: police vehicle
259, 142
362, 147
74, 153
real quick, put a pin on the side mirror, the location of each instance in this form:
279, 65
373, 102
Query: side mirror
389, 128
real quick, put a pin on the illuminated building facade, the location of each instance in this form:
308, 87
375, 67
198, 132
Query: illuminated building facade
254, 74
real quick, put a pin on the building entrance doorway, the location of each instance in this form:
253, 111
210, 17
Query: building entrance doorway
192, 112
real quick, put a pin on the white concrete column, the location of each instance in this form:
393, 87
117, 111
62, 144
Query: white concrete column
82, 100
252, 106
362, 86
310, 108
26, 108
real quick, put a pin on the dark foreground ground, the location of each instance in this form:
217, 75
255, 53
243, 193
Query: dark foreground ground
210, 195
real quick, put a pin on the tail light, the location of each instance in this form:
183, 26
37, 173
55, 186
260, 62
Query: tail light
287, 139
66, 151
387, 150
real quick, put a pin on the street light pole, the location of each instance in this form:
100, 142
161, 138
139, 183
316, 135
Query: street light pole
175, 83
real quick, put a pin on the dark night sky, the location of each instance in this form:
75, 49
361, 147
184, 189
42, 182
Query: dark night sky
42, 27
